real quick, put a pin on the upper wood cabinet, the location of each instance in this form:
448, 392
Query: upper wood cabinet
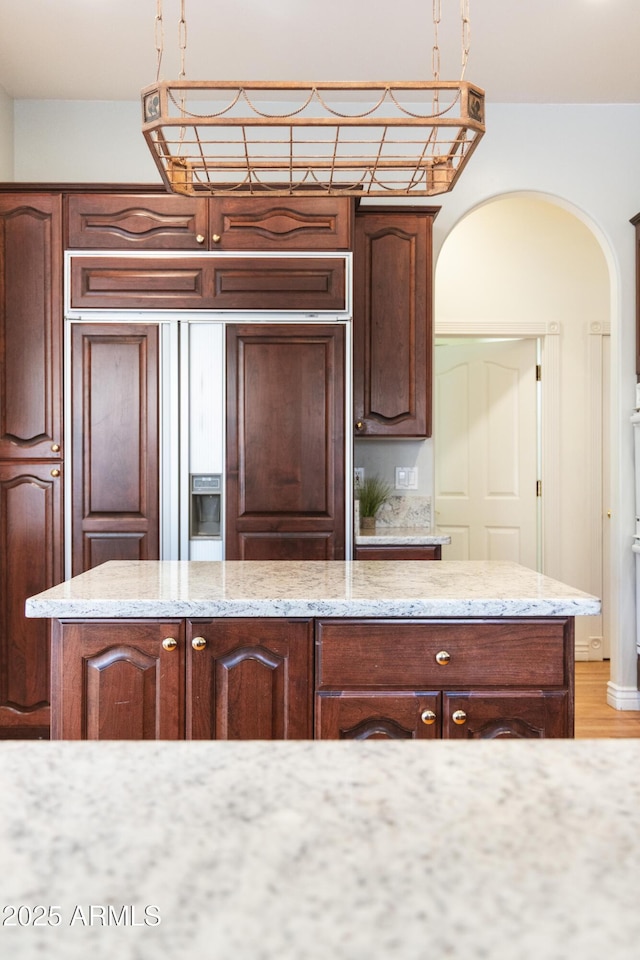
286, 283
169, 222
30, 326
392, 322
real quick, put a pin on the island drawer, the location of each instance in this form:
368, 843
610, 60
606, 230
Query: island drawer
365, 654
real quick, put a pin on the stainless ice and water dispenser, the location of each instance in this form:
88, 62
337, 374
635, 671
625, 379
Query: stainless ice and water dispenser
205, 506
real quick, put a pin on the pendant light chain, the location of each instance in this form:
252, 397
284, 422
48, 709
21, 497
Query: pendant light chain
435, 53
182, 38
466, 34
159, 36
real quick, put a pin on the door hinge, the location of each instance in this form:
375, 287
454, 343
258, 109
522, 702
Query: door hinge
538, 371
538, 488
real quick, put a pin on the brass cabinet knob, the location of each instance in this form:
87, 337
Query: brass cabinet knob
359, 424
169, 643
428, 717
459, 717
443, 658
216, 238
200, 238
198, 643
55, 447
55, 472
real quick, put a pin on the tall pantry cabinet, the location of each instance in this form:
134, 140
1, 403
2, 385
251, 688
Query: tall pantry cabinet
31, 541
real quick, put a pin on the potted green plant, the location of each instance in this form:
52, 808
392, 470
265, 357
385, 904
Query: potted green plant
373, 493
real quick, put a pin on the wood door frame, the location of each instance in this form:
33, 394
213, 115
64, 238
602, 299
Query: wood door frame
548, 332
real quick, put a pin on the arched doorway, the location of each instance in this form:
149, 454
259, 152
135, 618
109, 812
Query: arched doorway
523, 266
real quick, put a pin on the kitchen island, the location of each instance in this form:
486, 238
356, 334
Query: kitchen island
308, 851
284, 650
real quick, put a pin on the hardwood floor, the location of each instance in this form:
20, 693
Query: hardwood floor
594, 717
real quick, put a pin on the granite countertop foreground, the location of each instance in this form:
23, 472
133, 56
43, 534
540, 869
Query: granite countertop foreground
507, 850
369, 588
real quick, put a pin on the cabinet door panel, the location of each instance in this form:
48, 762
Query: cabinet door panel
115, 510
135, 221
265, 223
250, 681
216, 283
115, 681
30, 326
31, 560
508, 714
285, 442
392, 324
358, 716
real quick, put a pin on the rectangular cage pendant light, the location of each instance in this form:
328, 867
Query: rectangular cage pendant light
348, 138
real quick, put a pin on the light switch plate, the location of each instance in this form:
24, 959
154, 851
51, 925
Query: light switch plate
406, 478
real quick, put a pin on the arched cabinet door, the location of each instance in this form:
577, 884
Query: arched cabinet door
118, 680
249, 679
362, 716
31, 560
30, 326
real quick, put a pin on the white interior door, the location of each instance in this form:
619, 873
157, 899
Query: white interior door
486, 443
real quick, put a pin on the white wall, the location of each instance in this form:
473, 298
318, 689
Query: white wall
588, 156
6, 136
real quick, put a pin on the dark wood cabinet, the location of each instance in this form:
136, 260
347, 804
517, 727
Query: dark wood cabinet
31, 449
255, 678
306, 284
285, 442
118, 680
165, 222
30, 326
460, 679
31, 560
115, 446
203, 679
249, 679
397, 552
392, 322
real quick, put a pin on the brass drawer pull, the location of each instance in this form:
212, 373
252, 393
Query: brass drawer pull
198, 643
443, 658
169, 643
459, 717
428, 717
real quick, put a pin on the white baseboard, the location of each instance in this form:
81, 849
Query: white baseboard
623, 698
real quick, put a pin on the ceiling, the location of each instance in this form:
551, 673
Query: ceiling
529, 51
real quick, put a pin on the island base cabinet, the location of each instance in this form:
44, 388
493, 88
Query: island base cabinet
118, 680
444, 679
249, 679
223, 679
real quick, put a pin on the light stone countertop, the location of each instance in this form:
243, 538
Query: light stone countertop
370, 588
473, 850
401, 536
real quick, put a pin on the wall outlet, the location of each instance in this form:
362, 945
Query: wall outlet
406, 478
358, 478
